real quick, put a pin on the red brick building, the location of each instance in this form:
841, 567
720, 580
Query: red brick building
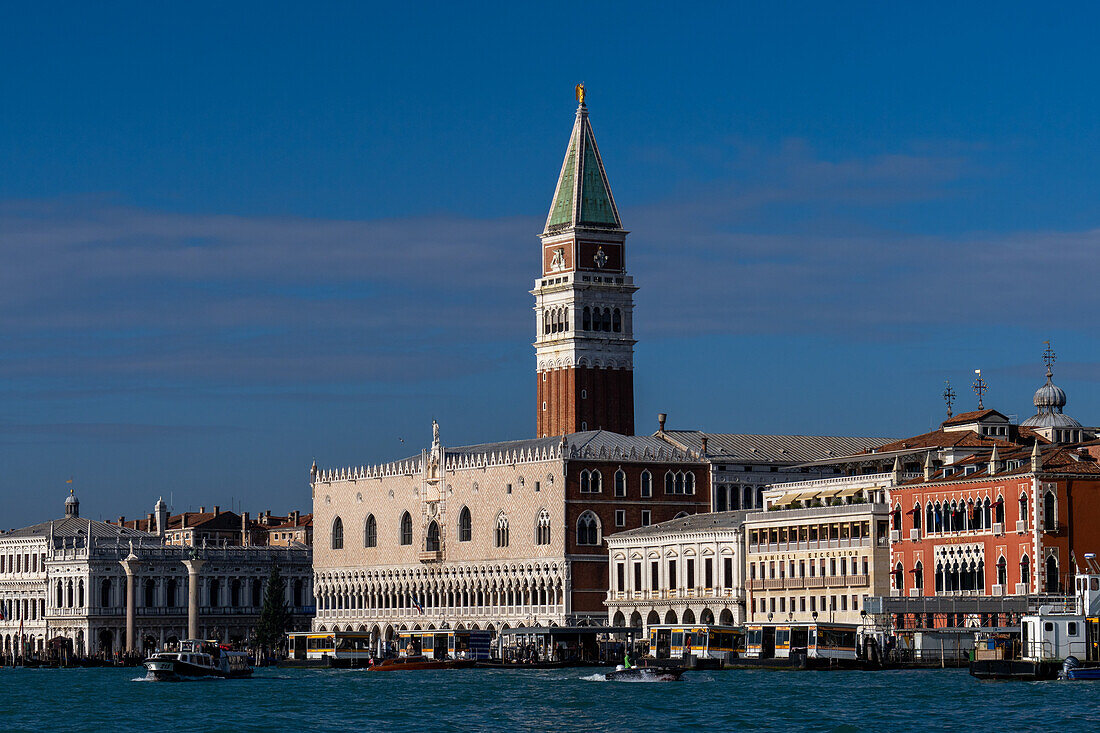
1008, 523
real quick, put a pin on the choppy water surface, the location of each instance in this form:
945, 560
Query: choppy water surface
118, 701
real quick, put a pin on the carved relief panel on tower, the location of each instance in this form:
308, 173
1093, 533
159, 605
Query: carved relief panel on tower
557, 258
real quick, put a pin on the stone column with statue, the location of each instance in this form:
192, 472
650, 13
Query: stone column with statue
193, 565
129, 564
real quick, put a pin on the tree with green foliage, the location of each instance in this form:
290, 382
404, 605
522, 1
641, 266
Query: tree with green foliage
274, 617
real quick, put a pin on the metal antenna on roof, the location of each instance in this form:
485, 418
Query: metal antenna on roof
980, 388
948, 396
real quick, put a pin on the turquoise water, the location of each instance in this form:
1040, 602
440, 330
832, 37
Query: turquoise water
115, 701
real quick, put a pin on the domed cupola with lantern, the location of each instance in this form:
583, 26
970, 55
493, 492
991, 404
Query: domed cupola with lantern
1050, 399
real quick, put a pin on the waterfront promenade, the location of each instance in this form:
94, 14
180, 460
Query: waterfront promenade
558, 700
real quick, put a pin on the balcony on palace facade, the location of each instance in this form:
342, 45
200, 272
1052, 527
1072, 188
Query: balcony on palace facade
814, 545
677, 594
819, 581
431, 556
437, 613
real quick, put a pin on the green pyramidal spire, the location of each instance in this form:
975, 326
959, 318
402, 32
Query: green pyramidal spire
583, 196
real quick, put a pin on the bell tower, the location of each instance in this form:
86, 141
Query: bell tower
584, 301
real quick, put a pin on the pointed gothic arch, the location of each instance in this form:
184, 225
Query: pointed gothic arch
465, 525
337, 534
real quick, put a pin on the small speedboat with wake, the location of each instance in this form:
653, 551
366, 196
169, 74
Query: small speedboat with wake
196, 659
644, 674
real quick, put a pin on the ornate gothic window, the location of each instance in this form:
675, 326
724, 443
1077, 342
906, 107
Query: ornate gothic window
465, 525
591, 481
670, 482
1050, 512
617, 321
647, 484
542, 528
406, 529
620, 483
502, 530
588, 529
370, 532
431, 542
337, 534
105, 593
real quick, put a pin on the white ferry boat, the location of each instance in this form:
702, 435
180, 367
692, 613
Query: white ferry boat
1060, 637
196, 658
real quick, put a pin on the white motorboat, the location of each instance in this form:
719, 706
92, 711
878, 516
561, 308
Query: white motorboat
196, 658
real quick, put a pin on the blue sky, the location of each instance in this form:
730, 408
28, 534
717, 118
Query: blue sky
238, 239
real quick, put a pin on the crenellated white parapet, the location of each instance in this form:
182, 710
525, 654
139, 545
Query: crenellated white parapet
452, 462
523, 455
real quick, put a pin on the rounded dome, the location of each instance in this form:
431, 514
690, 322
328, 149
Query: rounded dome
1050, 419
70, 499
1050, 395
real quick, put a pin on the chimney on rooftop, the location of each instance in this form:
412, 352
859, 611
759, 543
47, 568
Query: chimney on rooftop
661, 417
217, 510
928, 466
294, 517
150, 520
202, 510
704, 440
121, 520
244, 529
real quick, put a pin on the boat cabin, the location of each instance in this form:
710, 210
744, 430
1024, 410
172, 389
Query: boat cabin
335, 645
815, 640
445, 643
1064, 627
676, 641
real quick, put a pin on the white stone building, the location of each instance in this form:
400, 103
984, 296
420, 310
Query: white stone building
821, 548
490, 536
68, 578
687, 570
